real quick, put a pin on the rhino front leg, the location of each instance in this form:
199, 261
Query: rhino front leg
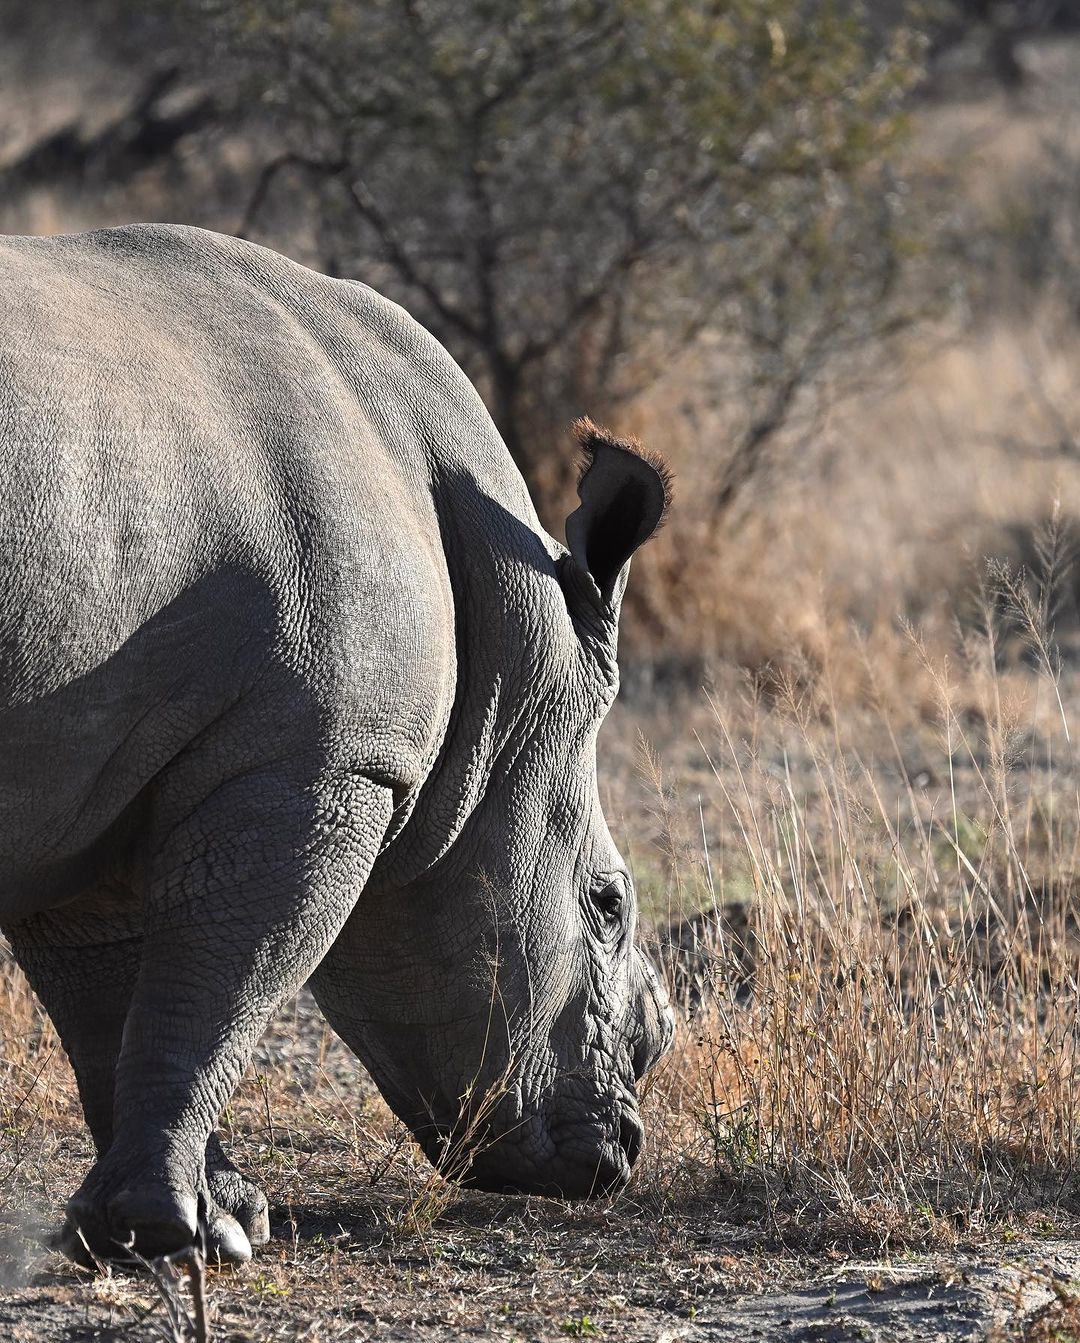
249, 890
82, 960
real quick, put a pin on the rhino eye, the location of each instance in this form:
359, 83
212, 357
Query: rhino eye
610, 901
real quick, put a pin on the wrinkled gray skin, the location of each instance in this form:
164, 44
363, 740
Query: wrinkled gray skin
293, 684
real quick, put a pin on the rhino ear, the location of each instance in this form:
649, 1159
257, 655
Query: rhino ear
625, 492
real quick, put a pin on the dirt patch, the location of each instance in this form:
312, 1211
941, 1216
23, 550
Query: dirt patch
408, 1297
926, 1301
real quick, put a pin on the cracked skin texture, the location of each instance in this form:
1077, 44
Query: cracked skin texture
293, 684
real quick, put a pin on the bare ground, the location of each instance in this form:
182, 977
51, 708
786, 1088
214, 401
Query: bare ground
519, 1272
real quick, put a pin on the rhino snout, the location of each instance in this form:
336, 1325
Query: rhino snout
553, 1155
583, 1161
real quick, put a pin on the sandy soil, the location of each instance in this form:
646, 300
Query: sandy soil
489, 1286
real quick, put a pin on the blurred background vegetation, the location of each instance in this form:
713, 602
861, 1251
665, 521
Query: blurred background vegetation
824, 255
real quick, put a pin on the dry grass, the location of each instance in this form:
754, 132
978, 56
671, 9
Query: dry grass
887, 1046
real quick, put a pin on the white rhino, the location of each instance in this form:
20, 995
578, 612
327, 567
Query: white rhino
294, 685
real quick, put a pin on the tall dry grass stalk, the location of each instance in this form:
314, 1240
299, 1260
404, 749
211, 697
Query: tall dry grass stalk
888, 1030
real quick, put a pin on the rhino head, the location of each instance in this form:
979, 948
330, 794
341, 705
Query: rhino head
498, 996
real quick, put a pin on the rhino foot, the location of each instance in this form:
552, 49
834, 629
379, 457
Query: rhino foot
145, 1219
236, 1195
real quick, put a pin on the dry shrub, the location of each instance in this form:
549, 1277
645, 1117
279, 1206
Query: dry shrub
886, 504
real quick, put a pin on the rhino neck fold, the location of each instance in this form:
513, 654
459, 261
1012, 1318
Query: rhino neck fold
502, 574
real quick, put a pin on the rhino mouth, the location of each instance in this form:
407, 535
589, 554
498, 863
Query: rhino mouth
569, 1159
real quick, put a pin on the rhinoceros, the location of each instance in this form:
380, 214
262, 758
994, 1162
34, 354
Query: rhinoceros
294, 687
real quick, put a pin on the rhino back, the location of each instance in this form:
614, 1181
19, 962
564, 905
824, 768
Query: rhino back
217, 477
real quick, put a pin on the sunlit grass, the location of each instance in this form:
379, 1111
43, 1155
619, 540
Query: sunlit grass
886, 1041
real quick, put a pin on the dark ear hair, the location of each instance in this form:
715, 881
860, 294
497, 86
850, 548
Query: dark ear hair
625, 492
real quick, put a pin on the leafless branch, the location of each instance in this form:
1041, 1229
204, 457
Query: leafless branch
398, 256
